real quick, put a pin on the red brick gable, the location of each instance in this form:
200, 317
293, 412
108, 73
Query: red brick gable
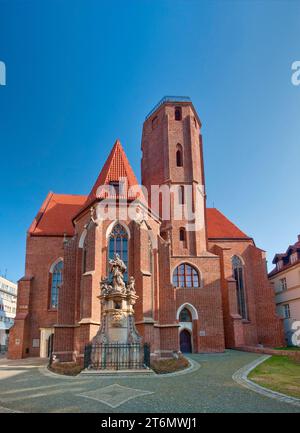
56, 214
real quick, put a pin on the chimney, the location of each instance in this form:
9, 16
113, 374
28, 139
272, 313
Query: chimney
298, 238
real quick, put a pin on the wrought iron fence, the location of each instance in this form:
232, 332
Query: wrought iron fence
117, 356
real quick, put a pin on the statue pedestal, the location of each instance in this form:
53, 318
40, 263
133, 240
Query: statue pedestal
117, 319
117, 344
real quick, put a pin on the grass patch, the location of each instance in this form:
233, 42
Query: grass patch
163, 366
66, 368
288, 348
279, 373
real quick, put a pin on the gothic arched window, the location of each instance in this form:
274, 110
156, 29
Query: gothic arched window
151, 270
185, 275
185, 315
182, 234
150, 255
56, 281
118, 244
181, 194
179, 155
178, 115
84, 257
238, 274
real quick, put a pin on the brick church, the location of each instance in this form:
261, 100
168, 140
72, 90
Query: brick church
200, 290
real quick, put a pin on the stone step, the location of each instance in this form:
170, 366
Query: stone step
107, 372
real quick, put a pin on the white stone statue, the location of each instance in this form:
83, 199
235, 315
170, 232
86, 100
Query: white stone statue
131, 286
117, 268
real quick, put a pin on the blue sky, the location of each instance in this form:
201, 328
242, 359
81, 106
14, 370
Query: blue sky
82, 73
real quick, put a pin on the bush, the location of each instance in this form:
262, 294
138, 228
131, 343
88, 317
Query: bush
163, 366
67, 368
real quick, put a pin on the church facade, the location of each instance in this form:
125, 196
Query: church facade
201, 287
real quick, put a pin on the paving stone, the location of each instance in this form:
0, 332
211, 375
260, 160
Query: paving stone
209, 388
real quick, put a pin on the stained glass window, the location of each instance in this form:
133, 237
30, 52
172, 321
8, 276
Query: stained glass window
238, 274
57, 275
185, 276
118, 244
84, 258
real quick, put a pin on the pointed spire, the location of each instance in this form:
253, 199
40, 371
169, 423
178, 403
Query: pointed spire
115, 168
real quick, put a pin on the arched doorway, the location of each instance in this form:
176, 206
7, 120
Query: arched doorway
187, 317
185, 341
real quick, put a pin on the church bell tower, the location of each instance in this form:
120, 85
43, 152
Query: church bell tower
173, 157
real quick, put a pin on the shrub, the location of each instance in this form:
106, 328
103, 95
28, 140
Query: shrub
163, 366
67, 368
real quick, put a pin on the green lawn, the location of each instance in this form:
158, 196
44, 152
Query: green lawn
279, 373
287, 348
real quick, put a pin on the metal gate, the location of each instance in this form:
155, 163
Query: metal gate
117, 356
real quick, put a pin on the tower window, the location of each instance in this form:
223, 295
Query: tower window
179, 155
181, 194
178, 114
182, 234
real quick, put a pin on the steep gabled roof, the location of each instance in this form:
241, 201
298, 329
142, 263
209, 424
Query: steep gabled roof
55, 216
219, 227
116, 167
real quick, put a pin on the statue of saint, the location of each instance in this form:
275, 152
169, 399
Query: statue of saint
117, 268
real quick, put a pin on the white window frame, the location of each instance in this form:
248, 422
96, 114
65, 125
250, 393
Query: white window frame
287, 311
283, 284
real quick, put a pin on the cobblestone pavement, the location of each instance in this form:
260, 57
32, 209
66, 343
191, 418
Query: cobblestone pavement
25, 387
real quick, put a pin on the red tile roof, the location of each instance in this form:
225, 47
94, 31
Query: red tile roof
116, 167
219, 227
56, 214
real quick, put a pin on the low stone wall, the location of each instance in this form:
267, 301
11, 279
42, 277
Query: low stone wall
266, 350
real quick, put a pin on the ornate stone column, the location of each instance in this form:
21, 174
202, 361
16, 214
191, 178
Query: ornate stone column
117, 312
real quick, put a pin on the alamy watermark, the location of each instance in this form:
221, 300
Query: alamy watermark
295, 78
170, 202
2, 74
296, 335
